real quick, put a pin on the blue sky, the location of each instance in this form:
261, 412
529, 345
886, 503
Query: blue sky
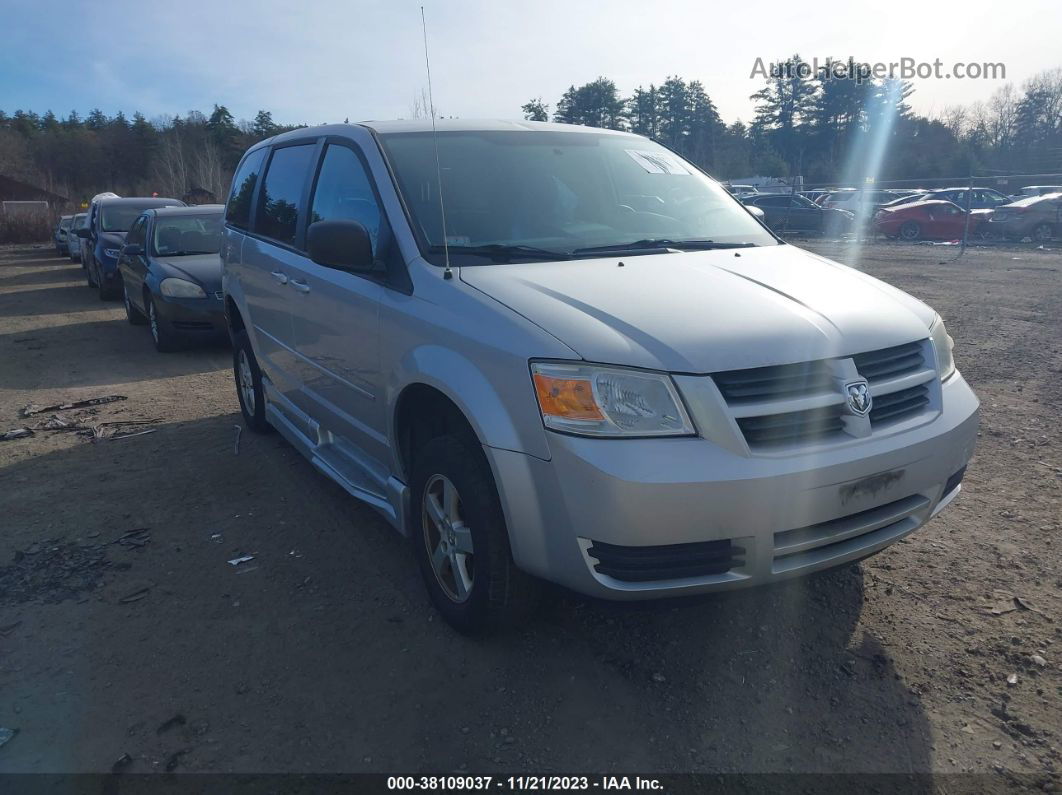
326, 60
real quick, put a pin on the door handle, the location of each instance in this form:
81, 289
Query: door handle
302, 287
280, 277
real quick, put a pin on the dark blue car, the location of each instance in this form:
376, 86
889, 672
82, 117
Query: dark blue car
109, 221
170, 272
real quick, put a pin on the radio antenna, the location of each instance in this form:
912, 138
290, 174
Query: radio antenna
448, 273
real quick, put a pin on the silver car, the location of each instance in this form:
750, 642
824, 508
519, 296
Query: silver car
582, 360
73, 242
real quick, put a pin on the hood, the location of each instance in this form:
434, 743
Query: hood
706, 311
203, 269
112, 239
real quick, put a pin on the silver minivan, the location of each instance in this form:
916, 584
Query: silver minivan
578, 359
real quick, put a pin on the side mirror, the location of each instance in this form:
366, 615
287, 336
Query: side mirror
84, 232
344, 245
133, 250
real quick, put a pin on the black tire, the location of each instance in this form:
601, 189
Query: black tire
90, 271
1041, 233
106, 293
500, 595
161, 334
254, 416
132, 314
910, 230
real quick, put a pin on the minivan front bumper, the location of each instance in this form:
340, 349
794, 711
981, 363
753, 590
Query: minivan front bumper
606, 517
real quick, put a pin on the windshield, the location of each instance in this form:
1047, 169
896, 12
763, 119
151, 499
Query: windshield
64, 223
558, 192
187, 234
120, 217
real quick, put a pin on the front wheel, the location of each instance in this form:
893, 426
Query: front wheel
248, 378
910, 230
460, 540
1041, 233
161, 334
106, 292
132, 314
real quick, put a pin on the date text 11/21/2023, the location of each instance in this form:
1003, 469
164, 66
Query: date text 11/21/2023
522, 783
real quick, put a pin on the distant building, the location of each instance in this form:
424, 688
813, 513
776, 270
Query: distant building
199, 196
16, 195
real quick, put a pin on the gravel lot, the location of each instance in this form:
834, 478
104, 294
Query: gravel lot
323, 655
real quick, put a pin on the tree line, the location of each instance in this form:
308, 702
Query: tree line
811, 123
78, 157
828, 130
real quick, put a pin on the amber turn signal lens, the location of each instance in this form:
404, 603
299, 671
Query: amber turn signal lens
572, 398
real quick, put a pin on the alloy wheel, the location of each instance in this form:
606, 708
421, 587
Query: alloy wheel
447, 538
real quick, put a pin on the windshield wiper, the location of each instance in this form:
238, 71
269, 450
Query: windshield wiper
185, 253
501, 252
661, 244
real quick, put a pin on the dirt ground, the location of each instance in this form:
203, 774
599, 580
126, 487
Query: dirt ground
125, 631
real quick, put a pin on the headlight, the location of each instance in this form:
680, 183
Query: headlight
111, 252
180, 288
608, 401
943, 343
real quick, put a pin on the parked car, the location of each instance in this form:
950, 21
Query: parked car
742, 190
1036, 190
73, 242
980, 198
552, 384
861, 203
59, 235
815, 195
1037, 217
794, 213
109, 221
929, 219
171, 274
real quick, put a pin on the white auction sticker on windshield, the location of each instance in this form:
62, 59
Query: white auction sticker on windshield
657, 162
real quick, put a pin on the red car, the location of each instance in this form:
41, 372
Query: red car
933, 219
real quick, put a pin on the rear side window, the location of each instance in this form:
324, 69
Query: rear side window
278, 208
238, 213
344, 192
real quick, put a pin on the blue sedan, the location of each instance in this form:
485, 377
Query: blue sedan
171, 275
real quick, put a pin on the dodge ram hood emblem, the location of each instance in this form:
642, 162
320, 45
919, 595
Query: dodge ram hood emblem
858, 396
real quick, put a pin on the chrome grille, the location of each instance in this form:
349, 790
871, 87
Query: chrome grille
792, 426
768, 383
899, 405
789, 404
890, 362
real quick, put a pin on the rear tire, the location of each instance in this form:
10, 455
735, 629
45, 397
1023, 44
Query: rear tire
911, 230
248, 378
458, 531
